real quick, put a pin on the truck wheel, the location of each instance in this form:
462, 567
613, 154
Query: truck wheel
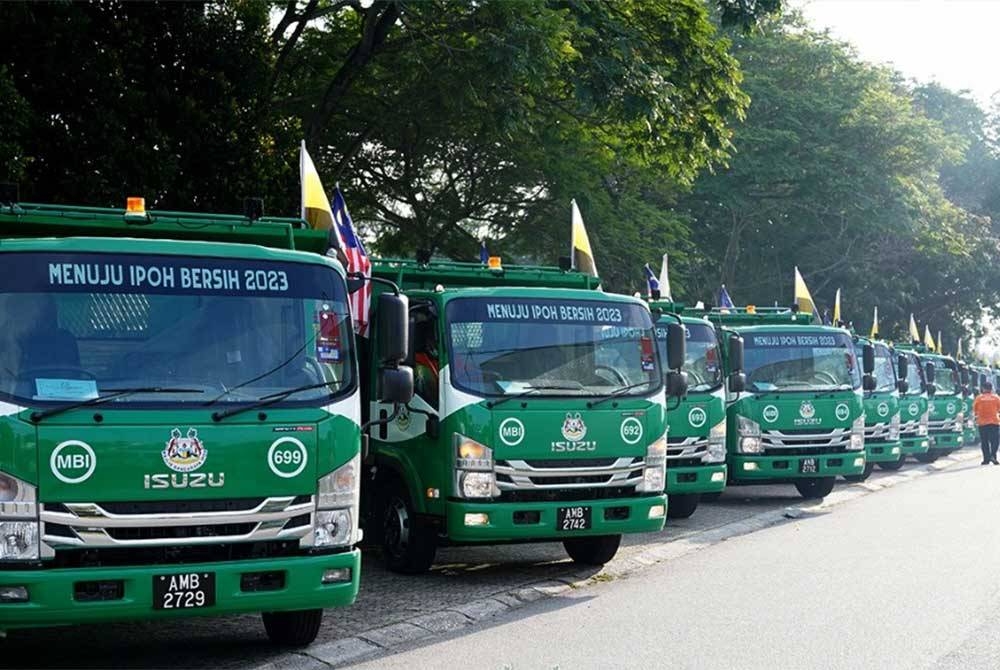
863, 476
682, 506
894, 465
593, 550
816, 488
928, 457
292, 629
408, 546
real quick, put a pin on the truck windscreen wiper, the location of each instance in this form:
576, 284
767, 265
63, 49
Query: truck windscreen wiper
618, 392
271, 399
535, 389
109, 394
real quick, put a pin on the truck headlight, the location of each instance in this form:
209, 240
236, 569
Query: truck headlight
857, 434
717, 443
19, 539
925, 420
474, 476
654, 474
894, 428
750, 442
478, 485
335, 523
959, 420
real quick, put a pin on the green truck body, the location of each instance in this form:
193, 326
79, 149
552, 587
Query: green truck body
154, 463
800, 419
914, 410
539, 415
696, 436
946, 420
882, 417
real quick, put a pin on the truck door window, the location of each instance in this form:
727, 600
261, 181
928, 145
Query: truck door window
426, 354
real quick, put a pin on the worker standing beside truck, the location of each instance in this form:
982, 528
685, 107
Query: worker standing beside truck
987, 409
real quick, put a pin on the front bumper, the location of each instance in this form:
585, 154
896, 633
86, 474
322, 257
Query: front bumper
882, 452
753, 468
696, 479
914, 445
530, 521
52, 600
946, 441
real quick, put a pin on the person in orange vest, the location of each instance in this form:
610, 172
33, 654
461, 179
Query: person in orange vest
986, 407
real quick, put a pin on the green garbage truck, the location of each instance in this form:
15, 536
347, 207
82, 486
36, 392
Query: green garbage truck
179, 419
882, 417
795, 410
696, 438
946, 420
914, 410
539, 415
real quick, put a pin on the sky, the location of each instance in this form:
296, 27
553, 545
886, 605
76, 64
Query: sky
953, 42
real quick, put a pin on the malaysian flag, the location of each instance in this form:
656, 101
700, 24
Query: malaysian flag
357, 261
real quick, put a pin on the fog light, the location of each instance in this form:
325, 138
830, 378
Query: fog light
859, 462
924, 443
480, 519
750, 466
718, 476
960, 438
13, 594
336, 576
895, 451
656, 511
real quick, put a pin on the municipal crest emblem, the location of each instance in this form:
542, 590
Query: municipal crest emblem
184, 454
807, 410
573, 428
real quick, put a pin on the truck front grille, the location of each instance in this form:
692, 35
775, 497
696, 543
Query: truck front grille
683, 452
951, 425
909, 428
163, 523
804, 442
878, 432
172, 555
566, 479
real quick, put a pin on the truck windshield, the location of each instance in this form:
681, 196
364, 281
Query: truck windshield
504, 346
800, 361
944, 377
701, 360
82, 325
885, 369
914, 375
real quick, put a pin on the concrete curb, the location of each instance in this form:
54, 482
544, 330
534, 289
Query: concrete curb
379, 640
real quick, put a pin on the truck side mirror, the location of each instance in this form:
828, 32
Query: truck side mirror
964, 375
736, 354
902, 367
397, 384
868, 382
393, 328
737, 382
676, 346
868, 359
929, 372
677, 384
903, 386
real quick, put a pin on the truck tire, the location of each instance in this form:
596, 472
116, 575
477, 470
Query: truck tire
408, 546
593, 550
894, 465
928, 457
292, 629
815, 488
869, 467
682, 506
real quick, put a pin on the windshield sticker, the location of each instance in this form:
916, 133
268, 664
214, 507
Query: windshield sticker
631, 430
133, 273
647, 354
327, 335
550, 311
794, 341
65, 389
287, 457
770, 414
511, 431
73, 462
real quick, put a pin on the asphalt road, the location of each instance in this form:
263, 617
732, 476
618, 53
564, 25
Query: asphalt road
460, 576
903, 578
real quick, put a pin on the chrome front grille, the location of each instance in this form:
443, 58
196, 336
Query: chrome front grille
522, 475
687, 447
100, 525
878, 432
806, 441
950, 425
909, 428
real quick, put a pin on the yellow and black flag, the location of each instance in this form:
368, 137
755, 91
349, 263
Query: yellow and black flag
958, 349
316, 208
940, 344
874, 333
803, 298
581, 255
836, 309
914, 331
929, 339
